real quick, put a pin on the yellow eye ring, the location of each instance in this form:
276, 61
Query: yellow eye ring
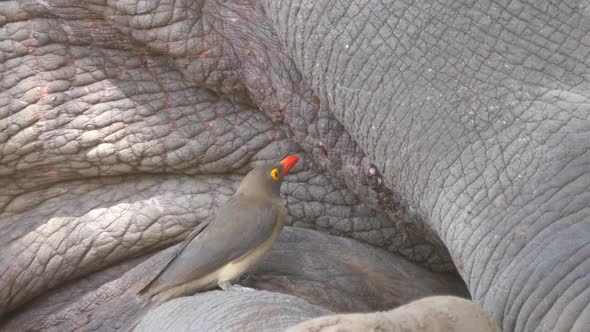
275, 174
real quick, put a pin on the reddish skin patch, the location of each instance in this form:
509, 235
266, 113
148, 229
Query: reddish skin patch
43, 91
205, 55
323, 149
286, 120
278, 118
50, 170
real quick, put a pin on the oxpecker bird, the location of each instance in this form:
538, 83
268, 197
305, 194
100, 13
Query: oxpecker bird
217, 253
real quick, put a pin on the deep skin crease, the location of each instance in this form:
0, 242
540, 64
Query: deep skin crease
218, 252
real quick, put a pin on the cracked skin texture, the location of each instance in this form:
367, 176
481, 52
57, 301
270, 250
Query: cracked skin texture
459, 140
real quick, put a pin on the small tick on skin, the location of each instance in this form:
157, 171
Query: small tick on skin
323, 149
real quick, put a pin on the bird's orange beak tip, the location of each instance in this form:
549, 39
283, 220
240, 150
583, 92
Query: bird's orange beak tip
288, 163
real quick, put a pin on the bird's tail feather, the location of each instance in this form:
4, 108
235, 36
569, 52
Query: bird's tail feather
143, 310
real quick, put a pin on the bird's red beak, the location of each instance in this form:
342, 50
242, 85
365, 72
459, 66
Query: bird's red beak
289, 162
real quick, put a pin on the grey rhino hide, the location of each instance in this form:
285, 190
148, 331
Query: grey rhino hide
478, 114
437, 313
117, 138
453, 135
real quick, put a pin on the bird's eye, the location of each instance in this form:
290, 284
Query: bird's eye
275, 174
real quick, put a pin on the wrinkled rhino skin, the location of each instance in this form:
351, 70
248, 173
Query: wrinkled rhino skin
453, 135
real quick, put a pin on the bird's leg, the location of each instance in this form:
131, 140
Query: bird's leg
227, 286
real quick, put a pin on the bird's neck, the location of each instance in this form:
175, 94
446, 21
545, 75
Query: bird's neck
245, 191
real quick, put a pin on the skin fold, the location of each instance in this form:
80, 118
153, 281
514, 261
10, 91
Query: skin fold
436, 313
440, 142
323, 271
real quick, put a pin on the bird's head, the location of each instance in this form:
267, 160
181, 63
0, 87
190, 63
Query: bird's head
266, 180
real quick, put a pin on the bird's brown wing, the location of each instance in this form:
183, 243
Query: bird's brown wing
200, 227
241, 225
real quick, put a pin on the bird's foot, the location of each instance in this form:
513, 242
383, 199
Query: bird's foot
240, 288
227, 286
